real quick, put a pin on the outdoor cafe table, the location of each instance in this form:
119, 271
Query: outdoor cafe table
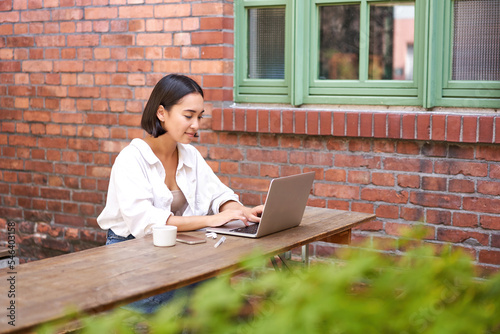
102, 278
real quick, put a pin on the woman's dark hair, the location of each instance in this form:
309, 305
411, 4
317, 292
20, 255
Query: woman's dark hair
167, 92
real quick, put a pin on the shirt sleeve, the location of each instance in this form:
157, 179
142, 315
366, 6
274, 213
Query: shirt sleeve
133, 191
217, 192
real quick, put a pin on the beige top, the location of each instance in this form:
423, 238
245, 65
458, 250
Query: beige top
179, 203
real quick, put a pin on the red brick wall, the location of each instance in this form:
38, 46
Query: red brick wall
75, 75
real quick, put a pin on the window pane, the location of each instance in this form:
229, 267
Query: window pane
391, 41
339, 42
476, 40
266, 43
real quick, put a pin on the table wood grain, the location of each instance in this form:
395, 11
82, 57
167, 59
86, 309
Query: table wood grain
102, 278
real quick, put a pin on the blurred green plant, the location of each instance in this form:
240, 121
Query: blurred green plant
366, 292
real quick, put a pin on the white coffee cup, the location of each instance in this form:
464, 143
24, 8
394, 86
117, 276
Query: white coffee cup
164, 236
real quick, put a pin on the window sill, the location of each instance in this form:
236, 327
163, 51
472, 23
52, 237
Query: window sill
474, 126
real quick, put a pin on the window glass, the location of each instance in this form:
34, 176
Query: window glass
266, 43
476, 40
392, 36
339, 42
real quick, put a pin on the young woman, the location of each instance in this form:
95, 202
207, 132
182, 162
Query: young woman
163, 179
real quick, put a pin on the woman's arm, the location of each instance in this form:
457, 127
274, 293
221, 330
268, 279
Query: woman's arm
229, 211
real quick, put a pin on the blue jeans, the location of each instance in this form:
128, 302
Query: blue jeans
150, 304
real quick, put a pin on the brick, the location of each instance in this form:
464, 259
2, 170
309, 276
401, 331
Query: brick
495, 240
207, 9
460, 236
83, 40
465, 219
434, 183
358, 177
387, 211
171, 66
55, 91
336, 191
311, 158
394, 126
488, 188
407, 147
461, 186
21, 91
117, 40
10, 66
485, 205
177, 10
83, 92
339, 124
435, 200
212, 23
34, 16
221, 153
20, 41
116, 93
438, 217
300, 121
69, 220
6, 17
451, 167
434, 149
263, 120
461, 151
101, 13
423, 126
68, 66
490, 153
497, 130
312, 122
251, 184
485, 129
438, 131
489, 256
383, 179
134, 66
67, 14
408, 165
275, 121
408, 126
271, 156
379, 125
495, 171
204, 38
130, 12
453, 128
384, 195
412, 214
352, 124
37, 66
207, 66
341, 160
325, 123
469, 129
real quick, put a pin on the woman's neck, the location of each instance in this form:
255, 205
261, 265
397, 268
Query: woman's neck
163, 148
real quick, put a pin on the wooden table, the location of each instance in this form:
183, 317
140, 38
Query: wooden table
102, 278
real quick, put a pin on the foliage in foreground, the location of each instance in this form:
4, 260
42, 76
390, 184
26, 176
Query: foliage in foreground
369, 292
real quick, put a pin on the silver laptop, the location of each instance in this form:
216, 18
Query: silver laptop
285, 204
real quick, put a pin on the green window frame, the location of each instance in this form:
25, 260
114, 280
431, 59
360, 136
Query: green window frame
430, 86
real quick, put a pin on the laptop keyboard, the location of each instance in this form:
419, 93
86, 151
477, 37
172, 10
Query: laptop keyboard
252, 229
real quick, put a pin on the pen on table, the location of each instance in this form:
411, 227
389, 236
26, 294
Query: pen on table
220, 242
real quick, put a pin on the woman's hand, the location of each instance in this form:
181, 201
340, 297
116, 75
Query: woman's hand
248, 214
226, 216
253, 214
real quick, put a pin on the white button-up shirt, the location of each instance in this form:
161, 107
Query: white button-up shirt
139, 199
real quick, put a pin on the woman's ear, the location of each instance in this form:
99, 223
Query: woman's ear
160, 113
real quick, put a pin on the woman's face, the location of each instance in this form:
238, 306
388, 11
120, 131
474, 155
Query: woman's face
183, 120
